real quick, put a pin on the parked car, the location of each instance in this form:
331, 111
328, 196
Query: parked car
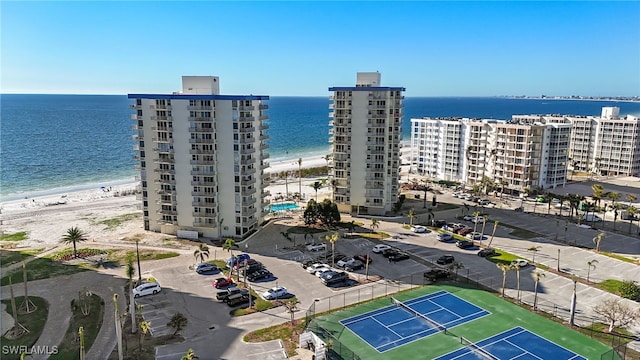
484, 202
478, 220
468, 217
591, 218
389, 252
275, 293
249, 269
487, 252
436, 274
247, 263
222, 282
150, 288
232, 261
223, 295
453, 227
399, 256
317, 247
418, 229
205, 267
445, 237
307, 263
344, 262
237, 299
445, 259
380, 248
259, 275
364, 258
465, 231
356, 265
438, 223
334, 278
314, 267
520, 262
322, 271
474, 236
464, 244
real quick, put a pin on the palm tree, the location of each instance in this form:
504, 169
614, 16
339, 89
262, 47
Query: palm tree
466, 208
190, 355
300, 176
201, 252
333, 238
145, 327
375, 223
74, 235
504, 268
475, 220
352, 226
456, 266
131, 271
631, 211
536, 276
516, 267
495, 225
591, 266
597, 239
228, 245
485, 218
598, 193
317, 185
411, 215
178, 322
424, 187
534, 250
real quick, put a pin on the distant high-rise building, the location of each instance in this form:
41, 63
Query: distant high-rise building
201, 157
366, 133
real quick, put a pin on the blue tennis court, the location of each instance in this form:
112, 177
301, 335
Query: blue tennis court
517, 343
392, 326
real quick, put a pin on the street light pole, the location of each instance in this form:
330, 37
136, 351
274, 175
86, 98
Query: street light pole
138, 256
558, 266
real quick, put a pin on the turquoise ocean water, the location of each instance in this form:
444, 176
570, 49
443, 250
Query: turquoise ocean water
60, 143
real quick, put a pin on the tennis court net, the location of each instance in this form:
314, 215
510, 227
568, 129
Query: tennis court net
432, 323
477, 349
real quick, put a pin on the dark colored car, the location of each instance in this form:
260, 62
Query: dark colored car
486, 252
364, 258
465, 231
223, 295
221, 282
438, 223
334, 278
398, 256
237, 299
436, 274
259, 275
307, 263
246, 263
389, 252
356, 265
445, 259
464, 244
250, 269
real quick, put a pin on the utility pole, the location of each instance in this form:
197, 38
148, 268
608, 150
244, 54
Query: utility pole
138, 256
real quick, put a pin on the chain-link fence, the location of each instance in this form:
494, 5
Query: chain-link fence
383, 288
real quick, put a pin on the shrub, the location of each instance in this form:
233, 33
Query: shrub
630, 290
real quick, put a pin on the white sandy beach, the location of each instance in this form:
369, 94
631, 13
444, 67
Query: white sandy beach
46, 218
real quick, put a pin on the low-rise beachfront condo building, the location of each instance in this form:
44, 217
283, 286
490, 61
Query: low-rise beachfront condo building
201, 159
366, 130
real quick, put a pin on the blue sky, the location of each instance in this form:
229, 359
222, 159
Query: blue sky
302, 48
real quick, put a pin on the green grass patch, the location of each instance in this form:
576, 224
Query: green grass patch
67, 254
120, 256
502, 257
41, 268
304, 230
619, 257
376, 235
522, 233
19, 236
610, 285
68, 348
446, 206
113, 223
288, 332
34, 322
8, 257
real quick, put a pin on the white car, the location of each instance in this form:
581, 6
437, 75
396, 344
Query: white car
275, 293
520, 262
345, 262
151, 288
313, 268
468, 217
323, 271
317, 247
480, 220
474, 236
380, 248
418, 229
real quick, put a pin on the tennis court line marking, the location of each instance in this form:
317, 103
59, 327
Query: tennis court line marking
385, 326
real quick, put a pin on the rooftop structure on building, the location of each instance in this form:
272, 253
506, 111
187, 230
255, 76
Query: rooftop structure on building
201, 159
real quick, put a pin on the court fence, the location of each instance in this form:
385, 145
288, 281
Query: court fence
372, 288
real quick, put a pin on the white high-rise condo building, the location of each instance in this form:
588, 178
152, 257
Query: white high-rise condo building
366, 132
201, 157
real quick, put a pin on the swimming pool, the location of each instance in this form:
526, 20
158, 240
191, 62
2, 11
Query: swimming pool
282, 207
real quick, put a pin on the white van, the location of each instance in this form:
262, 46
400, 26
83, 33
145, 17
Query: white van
591, 218
146, 289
